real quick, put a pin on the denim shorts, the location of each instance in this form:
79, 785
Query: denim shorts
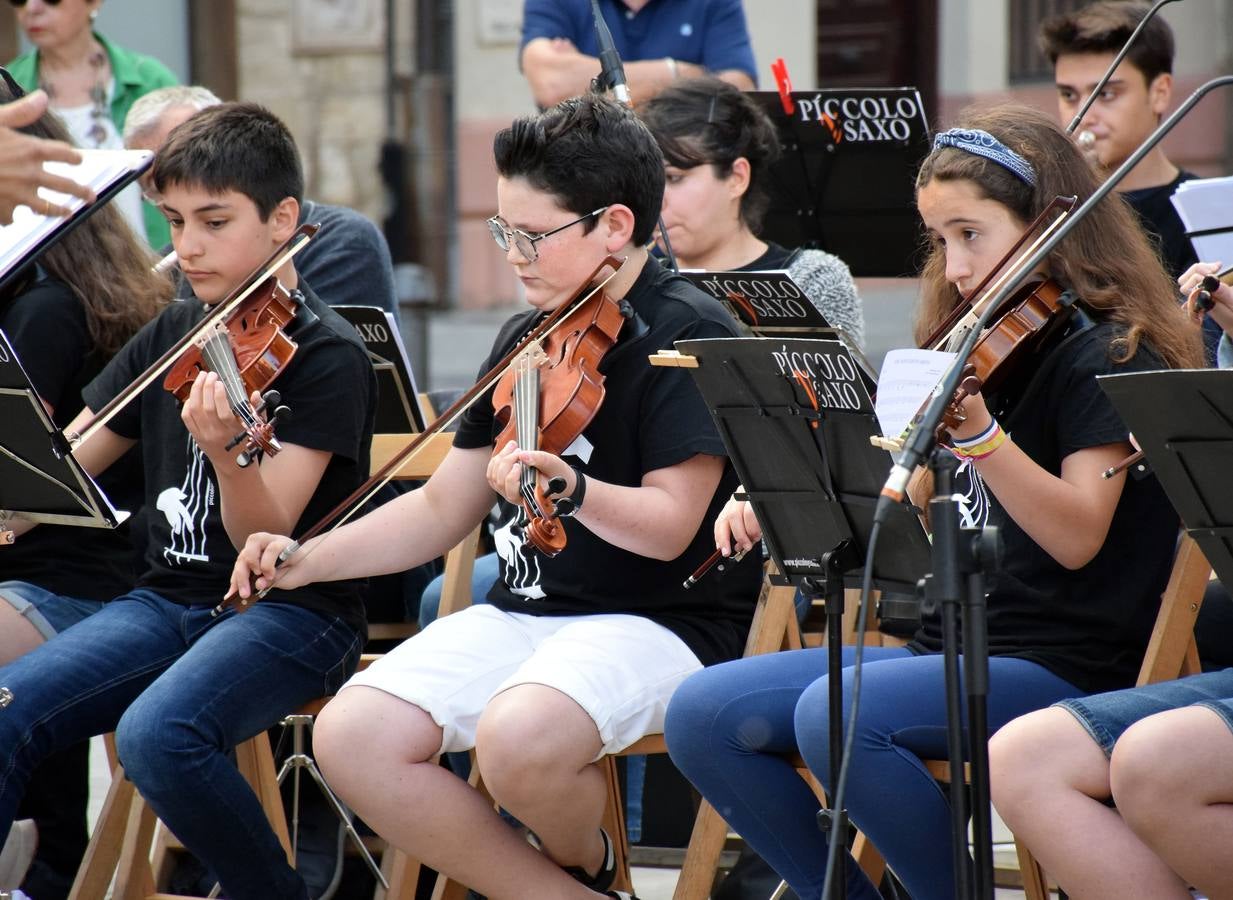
48, 612
1107, 716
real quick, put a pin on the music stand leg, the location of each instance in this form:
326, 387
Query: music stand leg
960, 556
834, 822
976, 682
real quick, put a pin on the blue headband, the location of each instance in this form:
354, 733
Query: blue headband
982, 143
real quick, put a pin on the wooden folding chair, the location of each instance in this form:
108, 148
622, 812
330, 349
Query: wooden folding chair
120, 846
1171, 653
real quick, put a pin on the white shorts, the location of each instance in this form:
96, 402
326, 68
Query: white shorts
621, 669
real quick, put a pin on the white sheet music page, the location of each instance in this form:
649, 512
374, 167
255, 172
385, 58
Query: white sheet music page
1206, 204
907, 380
98, 168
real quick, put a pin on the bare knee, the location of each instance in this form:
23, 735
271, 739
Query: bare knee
1143, 777
363, 733
527, 741
1043, 751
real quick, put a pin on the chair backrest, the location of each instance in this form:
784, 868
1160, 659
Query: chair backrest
1171, 650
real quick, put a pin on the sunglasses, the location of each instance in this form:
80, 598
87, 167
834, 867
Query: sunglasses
21, 3
526, 243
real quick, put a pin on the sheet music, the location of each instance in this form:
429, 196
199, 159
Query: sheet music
1204, 204
99, 169
908, 378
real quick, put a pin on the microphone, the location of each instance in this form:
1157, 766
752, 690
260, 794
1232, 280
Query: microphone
611, 72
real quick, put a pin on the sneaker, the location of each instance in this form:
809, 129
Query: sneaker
18, 852
601, 880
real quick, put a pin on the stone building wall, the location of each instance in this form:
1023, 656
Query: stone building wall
332, 102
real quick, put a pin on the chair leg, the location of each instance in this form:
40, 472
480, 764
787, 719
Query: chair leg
706, 843
103, 852
614, 823
401, 871
1035, 885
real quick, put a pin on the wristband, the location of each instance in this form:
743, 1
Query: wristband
569, 506
985, 446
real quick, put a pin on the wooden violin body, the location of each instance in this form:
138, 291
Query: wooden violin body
548, 397
247, 349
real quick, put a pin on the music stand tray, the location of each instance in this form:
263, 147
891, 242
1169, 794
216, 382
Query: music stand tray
811, 474
1183, 420
39, 478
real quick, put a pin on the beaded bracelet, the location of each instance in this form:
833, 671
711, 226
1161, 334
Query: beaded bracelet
981, 445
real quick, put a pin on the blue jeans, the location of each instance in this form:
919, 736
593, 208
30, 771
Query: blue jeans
730, 728
180, 689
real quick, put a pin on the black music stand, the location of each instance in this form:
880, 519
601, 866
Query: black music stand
1183, 420
812, 476
398, 405
39, 478
845, 182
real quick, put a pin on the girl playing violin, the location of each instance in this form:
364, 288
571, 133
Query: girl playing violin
1085, 558
718, 145
66, 316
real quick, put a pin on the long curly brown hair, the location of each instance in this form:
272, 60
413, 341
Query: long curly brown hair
103, 263
1107, 259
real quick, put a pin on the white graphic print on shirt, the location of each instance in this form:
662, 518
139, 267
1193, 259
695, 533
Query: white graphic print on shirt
186, 508
522, 575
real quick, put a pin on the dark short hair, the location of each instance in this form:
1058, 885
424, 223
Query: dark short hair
1105, 26
587, 152
704, 120
233, 147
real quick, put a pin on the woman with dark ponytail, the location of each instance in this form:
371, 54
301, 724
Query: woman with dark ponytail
718, 145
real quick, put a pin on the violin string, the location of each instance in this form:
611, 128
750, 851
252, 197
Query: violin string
216, 351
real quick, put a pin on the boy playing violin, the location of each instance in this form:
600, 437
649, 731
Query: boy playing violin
576, 655
180, 686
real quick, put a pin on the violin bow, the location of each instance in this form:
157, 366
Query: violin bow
347, 508
217, 314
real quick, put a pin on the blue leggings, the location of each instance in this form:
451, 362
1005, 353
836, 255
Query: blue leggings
730, 726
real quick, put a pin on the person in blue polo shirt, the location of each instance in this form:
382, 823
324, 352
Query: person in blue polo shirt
658, 40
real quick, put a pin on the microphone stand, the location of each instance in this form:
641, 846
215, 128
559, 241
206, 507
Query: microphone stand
611, 77
917, 448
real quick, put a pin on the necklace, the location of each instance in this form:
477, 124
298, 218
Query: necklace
98, 96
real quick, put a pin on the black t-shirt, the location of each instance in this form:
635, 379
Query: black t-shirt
1089, 626
774, 257
651, 418
329, 387
46, 324
1163, 225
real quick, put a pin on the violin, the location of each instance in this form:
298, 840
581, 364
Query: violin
347, 508
218, 313
547, 398
247, 349
1024, 322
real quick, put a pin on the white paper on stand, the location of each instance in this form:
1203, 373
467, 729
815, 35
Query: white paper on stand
907, 380
1206, 204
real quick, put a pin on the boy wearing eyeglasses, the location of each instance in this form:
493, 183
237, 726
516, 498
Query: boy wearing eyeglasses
575, 656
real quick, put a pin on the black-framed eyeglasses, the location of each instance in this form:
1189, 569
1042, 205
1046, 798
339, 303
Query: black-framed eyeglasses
525, 243
20, 3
